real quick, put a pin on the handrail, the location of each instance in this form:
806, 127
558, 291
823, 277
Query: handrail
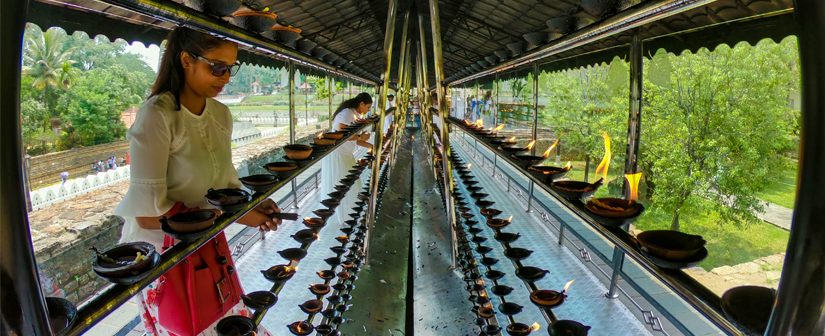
114, 296
690, 290
584, 253
180, 14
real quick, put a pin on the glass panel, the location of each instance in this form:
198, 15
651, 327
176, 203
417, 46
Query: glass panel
577, 107
720, 137
515, 106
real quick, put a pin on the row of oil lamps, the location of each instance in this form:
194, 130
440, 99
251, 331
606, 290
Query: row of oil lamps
749, 307
471, 232
665, 248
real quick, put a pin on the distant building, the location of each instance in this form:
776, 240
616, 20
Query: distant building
128, 116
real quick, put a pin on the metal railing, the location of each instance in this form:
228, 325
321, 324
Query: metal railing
689, 289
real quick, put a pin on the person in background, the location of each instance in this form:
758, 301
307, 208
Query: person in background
180, 147
64, 176
334, 166
390, 101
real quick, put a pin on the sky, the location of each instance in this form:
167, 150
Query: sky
149, 55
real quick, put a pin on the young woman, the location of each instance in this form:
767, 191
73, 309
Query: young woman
180, 144
335, 165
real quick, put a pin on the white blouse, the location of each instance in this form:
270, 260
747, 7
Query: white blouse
176, 156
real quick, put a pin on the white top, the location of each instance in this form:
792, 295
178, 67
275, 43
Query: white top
176, 156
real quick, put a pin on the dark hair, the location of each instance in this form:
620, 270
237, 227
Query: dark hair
170, 73
353, 102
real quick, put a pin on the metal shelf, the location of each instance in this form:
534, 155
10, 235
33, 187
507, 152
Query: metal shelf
180, 14
690, 290
114, 296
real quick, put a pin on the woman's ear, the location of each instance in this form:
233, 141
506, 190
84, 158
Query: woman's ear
186, 60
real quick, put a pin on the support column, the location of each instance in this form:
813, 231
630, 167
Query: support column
445, 126
375, 174
292, 121
19, 281
635, 118
331, 86
800, 307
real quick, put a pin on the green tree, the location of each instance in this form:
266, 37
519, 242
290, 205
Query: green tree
579, 105
93, 107
47, 60
714, 130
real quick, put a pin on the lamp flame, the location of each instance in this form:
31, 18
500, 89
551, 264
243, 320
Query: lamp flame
499, 128
550, 149
307, 219
511, 139
633, 186
320, 135
469, 165
568, 166
605, 164
530, 144
536, 326
510, 219
479, 123
567, 286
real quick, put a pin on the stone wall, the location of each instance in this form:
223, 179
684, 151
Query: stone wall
66, 271
45, 169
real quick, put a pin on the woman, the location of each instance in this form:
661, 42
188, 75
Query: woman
180, 144
337, 164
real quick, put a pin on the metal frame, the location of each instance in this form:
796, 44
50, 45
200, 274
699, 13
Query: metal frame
379, 126
438, 60
180, 14
800, 308
24, 307
647, 12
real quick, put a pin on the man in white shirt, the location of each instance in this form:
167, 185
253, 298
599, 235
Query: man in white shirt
390, 101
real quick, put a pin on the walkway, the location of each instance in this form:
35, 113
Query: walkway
777, 215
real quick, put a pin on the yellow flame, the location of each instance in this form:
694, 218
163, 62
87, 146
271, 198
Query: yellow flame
320, 135
530, 144
510, 218
633, 185
482, 294
569, 165
289, 269
307, 219
605, 164
470, 165
498, 128
550, 149
479, 123
536, 326
511, 139
567, 286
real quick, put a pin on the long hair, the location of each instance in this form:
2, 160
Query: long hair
170, 73
353, 102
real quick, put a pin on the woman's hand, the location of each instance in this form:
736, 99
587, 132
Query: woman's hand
261, 216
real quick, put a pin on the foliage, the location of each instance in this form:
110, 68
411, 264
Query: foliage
268, 78
707, 133
579, 105
73, 89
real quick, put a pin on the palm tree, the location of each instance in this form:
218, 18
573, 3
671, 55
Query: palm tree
49, 64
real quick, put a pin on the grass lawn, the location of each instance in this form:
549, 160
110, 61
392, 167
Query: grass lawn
782, 190
728, 244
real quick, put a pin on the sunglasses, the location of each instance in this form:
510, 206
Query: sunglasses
219, 68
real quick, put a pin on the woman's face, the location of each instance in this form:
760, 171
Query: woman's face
198, 72
363, 108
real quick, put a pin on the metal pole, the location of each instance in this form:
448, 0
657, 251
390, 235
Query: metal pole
331, 86
445, 126
618, 263
535, 106
635, 118
800, 308
24, 308
495, 100
530, 197
379, 136
292, 122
